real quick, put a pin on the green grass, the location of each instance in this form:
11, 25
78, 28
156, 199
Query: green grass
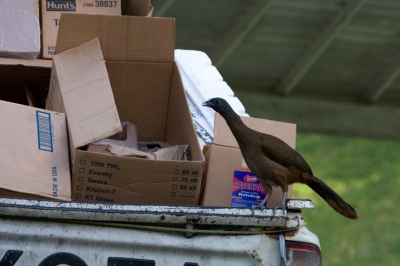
366, 173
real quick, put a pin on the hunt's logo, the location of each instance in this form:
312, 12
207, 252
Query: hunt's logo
250, 179
61, 5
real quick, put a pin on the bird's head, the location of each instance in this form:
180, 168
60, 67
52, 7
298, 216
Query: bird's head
220, 106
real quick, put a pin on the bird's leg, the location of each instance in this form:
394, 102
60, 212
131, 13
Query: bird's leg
283, 207
261, 205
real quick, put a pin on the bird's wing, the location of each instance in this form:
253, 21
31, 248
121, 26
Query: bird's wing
278, 151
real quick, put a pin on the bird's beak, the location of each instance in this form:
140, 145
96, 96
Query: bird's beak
206, 103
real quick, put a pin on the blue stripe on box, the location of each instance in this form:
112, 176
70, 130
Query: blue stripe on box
45, 137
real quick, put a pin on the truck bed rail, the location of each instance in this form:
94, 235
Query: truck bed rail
154, 214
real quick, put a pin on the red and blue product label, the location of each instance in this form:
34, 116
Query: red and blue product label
246, 190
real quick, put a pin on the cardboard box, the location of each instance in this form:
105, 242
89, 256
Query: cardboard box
17, 75
148, 92
34, 153
34, 74
224, 158
20, 29
52, 10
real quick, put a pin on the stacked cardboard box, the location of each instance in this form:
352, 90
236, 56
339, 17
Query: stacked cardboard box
107, 69
19, 28
29, 169
146, 90
52, 10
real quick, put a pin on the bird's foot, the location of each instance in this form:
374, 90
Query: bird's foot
283, 206
261, 206
252, 210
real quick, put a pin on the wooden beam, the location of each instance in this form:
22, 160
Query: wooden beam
239, 31
320, 45
323, 116
162, 9
382, 85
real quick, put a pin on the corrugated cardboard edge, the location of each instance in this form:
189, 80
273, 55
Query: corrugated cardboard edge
26, 62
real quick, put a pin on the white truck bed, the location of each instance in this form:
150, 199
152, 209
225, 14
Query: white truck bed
39, 232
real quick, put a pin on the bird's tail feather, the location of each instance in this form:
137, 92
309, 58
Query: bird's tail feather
331, 197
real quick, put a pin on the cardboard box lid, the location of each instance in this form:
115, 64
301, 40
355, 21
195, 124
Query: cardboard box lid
79, 79
284, 131
122, 38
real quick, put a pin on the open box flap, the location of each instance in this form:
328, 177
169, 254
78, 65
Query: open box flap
80, 87
122, 38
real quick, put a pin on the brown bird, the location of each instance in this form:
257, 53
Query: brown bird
274, 162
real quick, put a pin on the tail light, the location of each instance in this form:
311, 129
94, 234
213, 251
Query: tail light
302, 254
